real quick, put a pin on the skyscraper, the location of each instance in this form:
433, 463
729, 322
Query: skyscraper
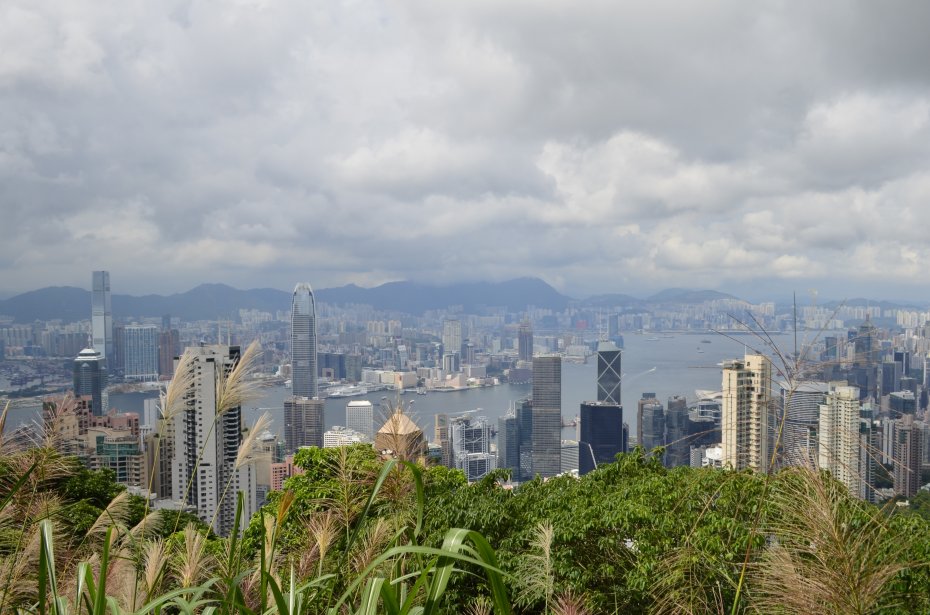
800, 406
101, 314
452, 336
470, 439
746, 413
601, 437
90, 378
838, 436
547, 415
525, 342
908, 453
206, 444
508, 445
677, 432
303, 343
651, 419
360, 417
140, 352
303, 423
608, 373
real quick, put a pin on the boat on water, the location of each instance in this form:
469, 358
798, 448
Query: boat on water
352, 390
421, 391
705, 341
652, 339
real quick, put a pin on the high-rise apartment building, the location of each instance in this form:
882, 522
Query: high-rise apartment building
746, 415
206, 444
547, 415
800, 405
303, 343
90, 378
601, 437
140, 352
303, 423
525, 342
360, 416
908, 444
838, 446
608, 373
101, 313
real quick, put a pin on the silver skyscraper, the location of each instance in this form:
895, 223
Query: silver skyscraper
303, 342
102, 314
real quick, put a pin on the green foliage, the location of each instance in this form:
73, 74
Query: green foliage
96, 487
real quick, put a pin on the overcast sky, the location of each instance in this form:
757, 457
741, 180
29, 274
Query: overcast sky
752, 147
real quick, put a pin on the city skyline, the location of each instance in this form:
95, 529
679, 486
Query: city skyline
721, 146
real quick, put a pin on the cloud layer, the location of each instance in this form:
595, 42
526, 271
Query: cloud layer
604, 146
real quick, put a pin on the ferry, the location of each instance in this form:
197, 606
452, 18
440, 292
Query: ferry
353, 390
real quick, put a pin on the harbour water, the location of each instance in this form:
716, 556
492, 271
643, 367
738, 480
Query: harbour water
666, 365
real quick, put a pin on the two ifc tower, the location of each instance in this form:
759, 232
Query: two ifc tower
303, 342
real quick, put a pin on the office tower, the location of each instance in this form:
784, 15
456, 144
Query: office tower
206, 444
360, 417
838, 447
140, 353
908, 453
901, 403
90, 379
746, 413
677, 440
613, 327
470, 439
303, 423
101, 314
452, 336
169, 347
468, 353
303, 343
441, 435
890, 377
800, 407
601, 437
608, 373
547, 415
651, 418
830, 352
525, 434
869, 451
525, 342
568, 460
508, 444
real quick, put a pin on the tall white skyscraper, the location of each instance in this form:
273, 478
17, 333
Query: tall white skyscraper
747, 412
303, 342
203, 471
838, 437
140, 352
452, 336
360, 417
102, 314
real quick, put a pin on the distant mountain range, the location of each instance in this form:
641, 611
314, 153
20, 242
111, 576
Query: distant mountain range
218, 301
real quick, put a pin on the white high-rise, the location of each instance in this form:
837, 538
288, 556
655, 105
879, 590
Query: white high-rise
747, 413
102, 314
206, 444
360, 417
303, 342
838, 437
140, 352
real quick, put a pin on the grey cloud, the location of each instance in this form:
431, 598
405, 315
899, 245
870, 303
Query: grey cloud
610, 146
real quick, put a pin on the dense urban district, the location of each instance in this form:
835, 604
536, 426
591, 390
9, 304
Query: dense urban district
797, 483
